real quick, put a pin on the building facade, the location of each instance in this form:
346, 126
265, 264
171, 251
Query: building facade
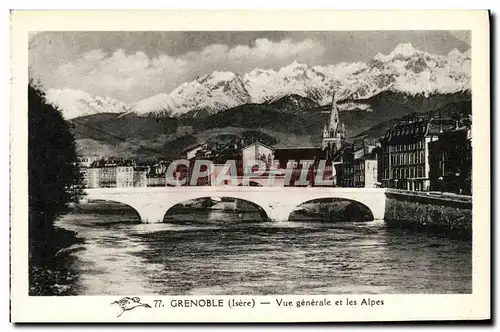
403, 161
256, 151
124, 176
91, 177
87, 161
450, 161
140, 177
359, 167
109, 174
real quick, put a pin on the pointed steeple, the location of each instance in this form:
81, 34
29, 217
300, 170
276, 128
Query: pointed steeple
334, 117
334, 131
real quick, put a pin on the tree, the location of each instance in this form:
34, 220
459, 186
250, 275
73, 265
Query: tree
54, 178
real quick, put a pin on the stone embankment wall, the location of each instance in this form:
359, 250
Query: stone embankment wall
433, 212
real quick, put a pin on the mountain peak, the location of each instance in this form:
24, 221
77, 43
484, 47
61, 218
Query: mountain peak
294, 69
454, 52
76, 103
217, 76
296, 66
259, 71
405, 69
404, 49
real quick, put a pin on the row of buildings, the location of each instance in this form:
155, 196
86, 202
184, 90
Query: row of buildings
427, 154
105, 173
419, 153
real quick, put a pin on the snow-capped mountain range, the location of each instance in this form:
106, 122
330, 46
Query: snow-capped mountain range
405, 70
75, 103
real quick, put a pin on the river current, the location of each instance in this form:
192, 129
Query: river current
219, 253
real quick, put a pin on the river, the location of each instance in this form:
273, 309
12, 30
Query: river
218, 253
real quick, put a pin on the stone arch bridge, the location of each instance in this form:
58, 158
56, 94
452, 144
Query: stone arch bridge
152, 203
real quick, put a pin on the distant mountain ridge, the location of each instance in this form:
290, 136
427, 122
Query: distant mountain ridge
292, 121
405, 70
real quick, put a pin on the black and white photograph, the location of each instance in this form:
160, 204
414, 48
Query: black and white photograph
214, 163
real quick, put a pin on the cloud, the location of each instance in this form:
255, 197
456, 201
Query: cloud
131, 77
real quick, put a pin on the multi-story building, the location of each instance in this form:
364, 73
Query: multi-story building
244, 157
87, 161
256, 151
404, 154
109, 174
450, 161
291, 158
359, 166
140, 176
124, 175
91, 177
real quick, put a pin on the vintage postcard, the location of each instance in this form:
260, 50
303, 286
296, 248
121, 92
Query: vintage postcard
250, 166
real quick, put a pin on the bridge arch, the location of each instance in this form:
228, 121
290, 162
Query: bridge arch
118, 206
226, 205
346, 209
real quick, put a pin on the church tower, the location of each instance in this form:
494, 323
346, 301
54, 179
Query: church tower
334, 132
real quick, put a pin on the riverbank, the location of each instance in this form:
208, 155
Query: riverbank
450, 214
55, 273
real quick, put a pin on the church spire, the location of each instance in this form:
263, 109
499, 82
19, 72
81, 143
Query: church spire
334, 131
334, 117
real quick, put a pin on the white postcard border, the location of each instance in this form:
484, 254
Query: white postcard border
396, 307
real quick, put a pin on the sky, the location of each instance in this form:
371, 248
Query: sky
130, 66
